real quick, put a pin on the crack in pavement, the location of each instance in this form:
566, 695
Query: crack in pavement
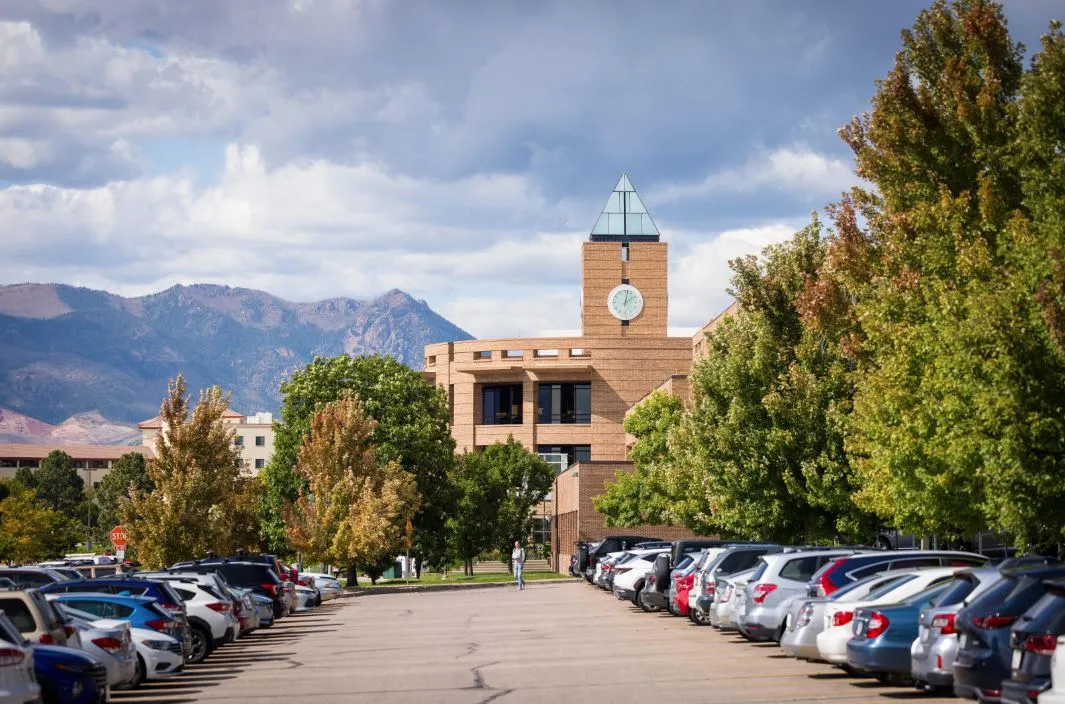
497, 695
478, 678
471, 648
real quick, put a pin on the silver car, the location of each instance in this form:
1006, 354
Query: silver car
729, 600
932, 653
778, 578
805, 616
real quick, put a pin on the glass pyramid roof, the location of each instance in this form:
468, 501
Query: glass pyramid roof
624, 218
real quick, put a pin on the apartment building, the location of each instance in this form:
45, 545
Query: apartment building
566, 397
93, 462
254, 437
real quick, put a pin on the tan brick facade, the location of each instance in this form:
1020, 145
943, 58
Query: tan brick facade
604, 268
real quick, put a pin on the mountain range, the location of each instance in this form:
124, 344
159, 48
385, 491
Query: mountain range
67, 351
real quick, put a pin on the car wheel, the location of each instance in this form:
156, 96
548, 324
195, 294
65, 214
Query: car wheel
201, 646
48, 694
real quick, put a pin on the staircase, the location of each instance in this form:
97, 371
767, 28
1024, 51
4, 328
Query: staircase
530, 566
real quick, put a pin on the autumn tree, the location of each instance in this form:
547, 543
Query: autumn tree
29, 531
198, 500
355, 505
411, 429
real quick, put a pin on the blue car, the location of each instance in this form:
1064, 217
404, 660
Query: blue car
68, 675
140, 611
883, 635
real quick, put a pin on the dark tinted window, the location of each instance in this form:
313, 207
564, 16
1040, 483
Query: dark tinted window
99, 609
101, 571
564, 403
501, 405
914, 562
1047, 614
957, 590
9, 632
869, 570
990, 599
759, 571
19, 614
963, 561
26, 580
800, 569
171, 593
121, 610
185, 593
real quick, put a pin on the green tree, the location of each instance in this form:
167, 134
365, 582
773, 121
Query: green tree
473, 526
198, 501
29, 531
25, 477
642, 496
355, 507
412, 430
58, 485
128, 476
527, 480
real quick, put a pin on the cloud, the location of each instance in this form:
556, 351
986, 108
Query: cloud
794, 169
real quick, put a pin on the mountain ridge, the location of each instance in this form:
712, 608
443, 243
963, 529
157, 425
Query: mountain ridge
66, 350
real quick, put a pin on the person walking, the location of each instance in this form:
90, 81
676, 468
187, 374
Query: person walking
517, 556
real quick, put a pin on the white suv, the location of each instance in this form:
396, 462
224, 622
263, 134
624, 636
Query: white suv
212, 620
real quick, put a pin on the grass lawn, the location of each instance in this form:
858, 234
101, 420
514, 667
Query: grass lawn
459, 578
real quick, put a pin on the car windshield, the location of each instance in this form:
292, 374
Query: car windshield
683, 564
847, 593
885, 589
958, 588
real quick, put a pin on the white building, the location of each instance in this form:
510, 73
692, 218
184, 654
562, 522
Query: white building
254, 437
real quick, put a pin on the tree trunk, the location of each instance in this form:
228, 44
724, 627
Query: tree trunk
418, 566
353, 575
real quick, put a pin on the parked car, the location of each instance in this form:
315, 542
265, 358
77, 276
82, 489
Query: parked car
805, 619
681, 554
211, 619
1034, 640
843, 571
612, 543
778, 577
256, 576
932, 653
630, 580
984, 654
883, 635
18, 681
1056, 693
730, 596
158, 656
839, 616
31, 577
731, 560
107, 640
139, 611
69, 676
327, 584
33, 616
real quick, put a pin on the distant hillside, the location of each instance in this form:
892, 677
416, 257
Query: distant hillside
67, 350
82, 429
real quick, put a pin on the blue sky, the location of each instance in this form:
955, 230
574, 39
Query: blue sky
460, 151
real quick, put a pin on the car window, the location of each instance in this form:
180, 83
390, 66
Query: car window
759, 570
890, 586
10, 633
51, 621
957, 590
121, 610
27, 580
99, 609
800, 569
913, 562
104, 571
19, 614
927, 596
963, 561
186, 594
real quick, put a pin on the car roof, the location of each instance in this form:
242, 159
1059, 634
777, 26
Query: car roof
105, 597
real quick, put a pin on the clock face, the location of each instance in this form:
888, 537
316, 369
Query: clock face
625, 302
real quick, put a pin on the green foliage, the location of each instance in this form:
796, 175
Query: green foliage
496, 490
58, 485
412, 429
642, 495
128, 475
25, 477
29, 531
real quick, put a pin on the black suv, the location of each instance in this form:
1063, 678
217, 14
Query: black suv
1033, 640
256, 576
612, 543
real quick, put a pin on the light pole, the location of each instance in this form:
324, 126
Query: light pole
88, 506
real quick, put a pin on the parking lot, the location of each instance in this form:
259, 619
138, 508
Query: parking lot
552, 642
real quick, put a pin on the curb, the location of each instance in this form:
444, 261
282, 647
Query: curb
447, 587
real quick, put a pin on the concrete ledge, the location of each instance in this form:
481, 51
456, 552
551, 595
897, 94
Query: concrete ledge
446, 587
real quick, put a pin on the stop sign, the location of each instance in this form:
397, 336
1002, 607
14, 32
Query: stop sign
118, 537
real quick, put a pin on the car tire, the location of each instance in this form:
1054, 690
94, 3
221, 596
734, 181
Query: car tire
48, 694
201, 646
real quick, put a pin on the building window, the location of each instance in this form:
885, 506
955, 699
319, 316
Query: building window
565, 403
25, 463
624, 251
260, 441
541, 532
572, 453
5, 462
482, 355
260, 463
501, 405
239, 463
238, 441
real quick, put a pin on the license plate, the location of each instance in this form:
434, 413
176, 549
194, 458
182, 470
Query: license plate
1016, 664
859, 628
963, 641
926, 633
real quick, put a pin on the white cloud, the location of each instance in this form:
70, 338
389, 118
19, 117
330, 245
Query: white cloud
788, 169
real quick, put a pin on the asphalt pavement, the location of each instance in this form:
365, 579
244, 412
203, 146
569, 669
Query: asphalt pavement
550, 643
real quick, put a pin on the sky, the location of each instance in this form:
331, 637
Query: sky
459, 151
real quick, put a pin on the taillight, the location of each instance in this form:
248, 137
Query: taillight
1040, 644
169, 607
993, 622
302, 582
806, 614
156, 624
47, 639
218, 606
945, 623
69, 630
11, 656
878, 623
761, 591
271, 588
842, 618
111, 645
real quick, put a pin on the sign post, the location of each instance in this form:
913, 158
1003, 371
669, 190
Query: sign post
118, 539
406, 564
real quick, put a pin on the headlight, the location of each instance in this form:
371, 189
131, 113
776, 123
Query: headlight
156, 644
75, 669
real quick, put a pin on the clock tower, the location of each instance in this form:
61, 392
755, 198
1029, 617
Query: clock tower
624, 269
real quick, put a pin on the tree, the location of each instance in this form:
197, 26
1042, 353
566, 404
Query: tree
128, 476
198, 501
527, 479
411, 429
642, 496
30, 531
355, 506
25, 477
58, 485
473, 526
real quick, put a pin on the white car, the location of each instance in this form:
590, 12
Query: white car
629, 577
108, 640
599, 565
1056, 693
18, 683
839, 617
306, 598
730, 599
211, 618
158, 655
328, 585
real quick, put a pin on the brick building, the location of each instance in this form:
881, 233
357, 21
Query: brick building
566, 397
